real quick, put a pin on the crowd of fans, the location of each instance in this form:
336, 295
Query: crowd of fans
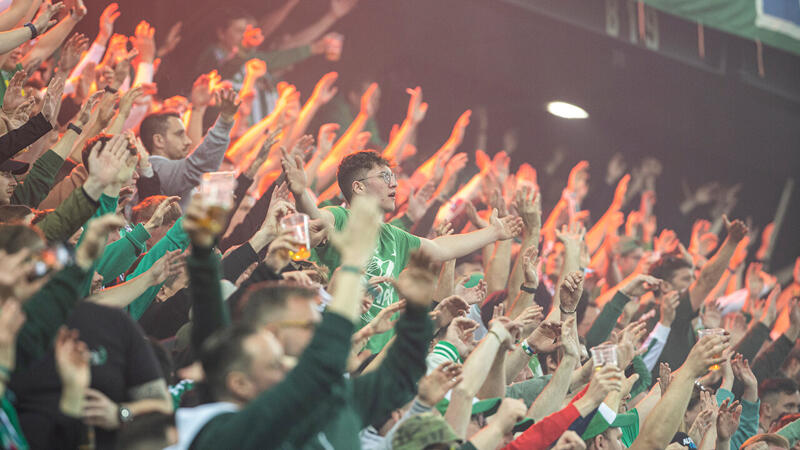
141, 309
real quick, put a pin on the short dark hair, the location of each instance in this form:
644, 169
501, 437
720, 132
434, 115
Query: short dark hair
776, 385
228, 14
15, 237
666, 267
355, 167
14, 213
87, 148
154, 123
146, 431
265, 302
222, 353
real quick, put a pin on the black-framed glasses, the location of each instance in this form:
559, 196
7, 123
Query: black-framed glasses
388, 177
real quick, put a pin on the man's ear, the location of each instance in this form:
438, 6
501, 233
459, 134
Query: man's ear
158, 140
599, 441
239, 384
358, 187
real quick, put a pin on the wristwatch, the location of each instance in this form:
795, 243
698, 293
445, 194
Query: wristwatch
124, 414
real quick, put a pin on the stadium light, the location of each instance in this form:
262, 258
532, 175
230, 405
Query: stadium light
566, 110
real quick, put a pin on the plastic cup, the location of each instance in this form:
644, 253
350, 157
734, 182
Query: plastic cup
712, 332
603, 355
216, 193
298, 224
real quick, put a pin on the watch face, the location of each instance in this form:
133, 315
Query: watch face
124, 414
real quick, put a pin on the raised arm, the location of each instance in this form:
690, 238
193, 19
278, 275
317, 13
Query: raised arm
445, 248
715, 267
552, 396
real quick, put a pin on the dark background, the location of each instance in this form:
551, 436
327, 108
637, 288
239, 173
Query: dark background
702, 125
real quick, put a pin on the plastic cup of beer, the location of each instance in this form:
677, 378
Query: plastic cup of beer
298, 224
712, 332
216, 193
604, 355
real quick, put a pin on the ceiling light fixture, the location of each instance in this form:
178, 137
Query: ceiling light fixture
566, 110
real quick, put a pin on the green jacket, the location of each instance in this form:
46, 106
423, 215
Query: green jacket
293, 405
39, 180
68, 217
605, 321
748, 421
371, 398
176, 238
119, 255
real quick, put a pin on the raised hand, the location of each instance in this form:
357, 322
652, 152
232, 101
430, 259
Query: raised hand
357, 240
728, 419
129, 98
52, 98
72, 359
448, 309
144, 41
529, 206
168, 267
629, 342
163, 208
460, 332
417, 282
770, 307
107, 19
45, 19
85, 113
295, 172
109, 166
228, 104
570, 441
530, 264
570, 291
418, 202
705, 353
569, 339
370, 99
545, 338
252, 37
94, 239
324, 91
505, 228
416, 107
640, 285
741, 370
123, 68
172, 41
620, 192
578, 180
474, 295
737, 230
667, 242
529, 319
100, 411
383, 321
604, 380
71, 53
511, 411
278, 251
667, 306
434, 386
202, 89
664, 377
506, 331
14, 97
571, 235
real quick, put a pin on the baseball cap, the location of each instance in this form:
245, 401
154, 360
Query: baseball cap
487, 407
683, 439
14, 166
422, 430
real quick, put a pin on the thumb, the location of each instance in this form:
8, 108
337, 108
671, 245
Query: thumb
493, 217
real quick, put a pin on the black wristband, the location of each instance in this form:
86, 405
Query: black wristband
564, 311
524, 288
74, 128
34, 31
110, 90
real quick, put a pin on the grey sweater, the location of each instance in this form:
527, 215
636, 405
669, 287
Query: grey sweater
179, 176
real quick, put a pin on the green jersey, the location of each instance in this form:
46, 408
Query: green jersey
390, 258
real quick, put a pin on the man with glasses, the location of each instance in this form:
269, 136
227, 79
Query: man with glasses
366, 173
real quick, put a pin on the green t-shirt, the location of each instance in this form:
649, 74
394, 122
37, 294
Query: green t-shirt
390, 258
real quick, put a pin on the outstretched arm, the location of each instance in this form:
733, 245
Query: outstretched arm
445, 248
715, 267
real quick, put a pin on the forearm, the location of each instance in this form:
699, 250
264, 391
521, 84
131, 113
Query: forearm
530, 239
50, 41
475, 368
662, 423
241, 147
498, 266
520, 303
272, 21
347, 293
304, 119
194, 128
495, 384
445, 248
515, 362
711, 273
150, 405
123, 294
72, 400
9, 40
398, 143
445, 286
604, 323
488, 438
12, 16
581, 376
552, 396
310, 33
